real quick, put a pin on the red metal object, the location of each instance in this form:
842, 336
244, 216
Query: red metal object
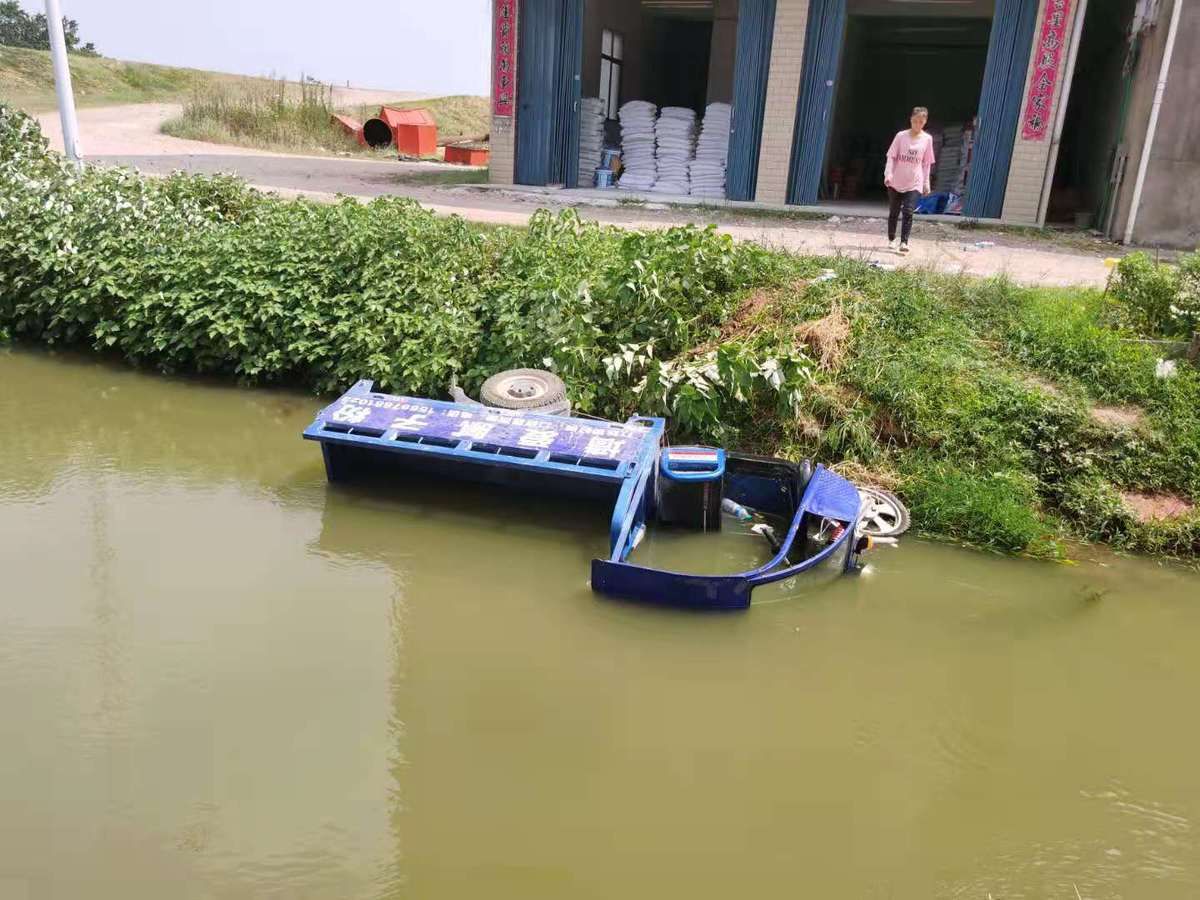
351, 126
467, 154
413, 130
394, 116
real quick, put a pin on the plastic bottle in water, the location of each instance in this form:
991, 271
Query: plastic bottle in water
736, 510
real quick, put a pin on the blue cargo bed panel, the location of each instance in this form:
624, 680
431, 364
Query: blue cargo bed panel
477, 435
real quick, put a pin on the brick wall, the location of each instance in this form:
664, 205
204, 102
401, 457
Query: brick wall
503, 145
783, 92
1023, 195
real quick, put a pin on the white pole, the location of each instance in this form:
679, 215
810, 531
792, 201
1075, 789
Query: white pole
62, 82
1060, 117
1144, 163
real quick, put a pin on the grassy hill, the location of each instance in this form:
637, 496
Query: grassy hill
27, 80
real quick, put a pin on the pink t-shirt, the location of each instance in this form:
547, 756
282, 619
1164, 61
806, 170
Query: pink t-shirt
909, 160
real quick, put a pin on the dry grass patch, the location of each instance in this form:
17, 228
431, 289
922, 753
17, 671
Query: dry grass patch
1118, 416
827, 337
868, 476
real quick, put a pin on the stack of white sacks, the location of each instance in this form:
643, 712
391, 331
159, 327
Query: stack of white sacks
675, 142
591, 138
706, 172
637, 145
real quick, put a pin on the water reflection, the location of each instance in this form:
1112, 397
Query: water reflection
222, 677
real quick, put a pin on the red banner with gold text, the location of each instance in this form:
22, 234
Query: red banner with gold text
1047, 56
504, 62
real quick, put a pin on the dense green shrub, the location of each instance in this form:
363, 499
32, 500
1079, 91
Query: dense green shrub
1160, 299
571, 294
203, 274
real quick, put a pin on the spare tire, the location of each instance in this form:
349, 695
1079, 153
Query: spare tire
532, 389
883, 515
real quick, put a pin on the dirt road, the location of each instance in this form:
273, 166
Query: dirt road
129, 136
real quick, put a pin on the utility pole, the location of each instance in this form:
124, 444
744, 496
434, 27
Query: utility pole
62, 82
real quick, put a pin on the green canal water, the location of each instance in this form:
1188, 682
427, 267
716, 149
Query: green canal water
222, 678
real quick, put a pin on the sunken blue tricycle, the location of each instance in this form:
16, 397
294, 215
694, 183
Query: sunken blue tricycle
366, 432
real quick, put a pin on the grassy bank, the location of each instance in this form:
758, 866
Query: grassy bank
986, 405
27, 80
296, 118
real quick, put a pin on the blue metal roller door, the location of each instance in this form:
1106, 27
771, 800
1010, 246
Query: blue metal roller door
548, 64
1000, 106
756, 25
818, 88
565, 152
535, 62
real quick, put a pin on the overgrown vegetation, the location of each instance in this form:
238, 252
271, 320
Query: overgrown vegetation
21, 29
1159, 299
270, 114
281, 115
974, 399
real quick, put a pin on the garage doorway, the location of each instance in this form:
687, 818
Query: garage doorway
868, 62
683, 53
889, 65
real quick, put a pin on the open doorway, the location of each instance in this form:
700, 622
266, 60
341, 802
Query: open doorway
1081, 193
668, 52
673, 53
678, 58
891, 63
867, 63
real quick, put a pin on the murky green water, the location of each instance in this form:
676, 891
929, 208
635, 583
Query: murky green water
220, 677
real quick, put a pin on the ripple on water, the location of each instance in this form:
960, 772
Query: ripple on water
1145, 843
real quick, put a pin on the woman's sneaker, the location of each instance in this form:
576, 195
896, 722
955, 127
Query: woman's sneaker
892, 245
904, 248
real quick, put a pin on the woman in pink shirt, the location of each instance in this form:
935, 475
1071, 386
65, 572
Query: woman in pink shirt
906, 174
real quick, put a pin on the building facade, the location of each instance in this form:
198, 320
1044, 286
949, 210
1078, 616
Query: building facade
1081, 111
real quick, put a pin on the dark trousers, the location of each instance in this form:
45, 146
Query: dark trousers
897, 203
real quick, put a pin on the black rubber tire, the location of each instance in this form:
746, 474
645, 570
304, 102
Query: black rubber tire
902, 523
532, 389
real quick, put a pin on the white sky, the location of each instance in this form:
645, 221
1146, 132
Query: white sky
440, 46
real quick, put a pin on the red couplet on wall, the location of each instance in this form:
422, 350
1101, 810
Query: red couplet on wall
504, 58
1047, 56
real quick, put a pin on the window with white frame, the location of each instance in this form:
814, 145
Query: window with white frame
612, 51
